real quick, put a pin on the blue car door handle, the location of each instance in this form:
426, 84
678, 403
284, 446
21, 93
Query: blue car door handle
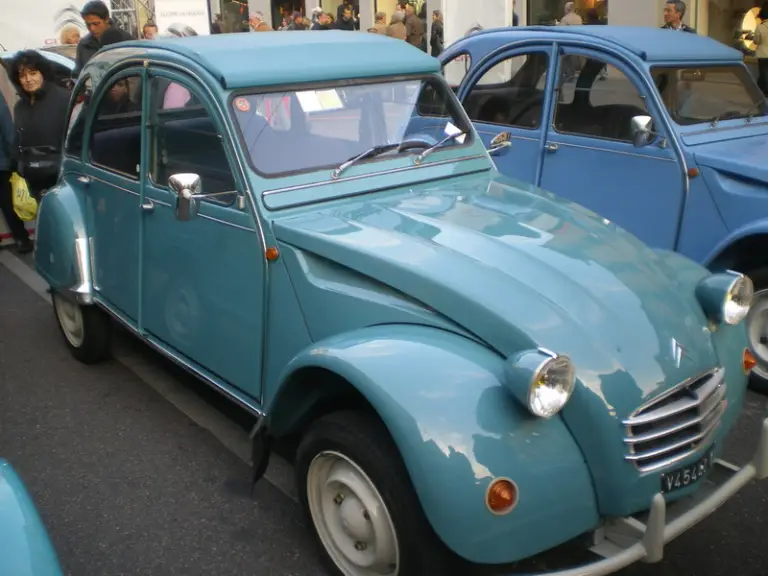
148, 206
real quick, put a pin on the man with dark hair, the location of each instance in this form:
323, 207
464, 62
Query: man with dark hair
96, 17
674, 10
149, 31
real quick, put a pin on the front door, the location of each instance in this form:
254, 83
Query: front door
589, 156
111, 184
203, 280
509, 94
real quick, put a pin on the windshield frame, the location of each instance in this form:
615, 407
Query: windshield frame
451, 101
750, 85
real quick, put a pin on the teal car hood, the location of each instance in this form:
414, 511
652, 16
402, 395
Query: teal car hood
521, 268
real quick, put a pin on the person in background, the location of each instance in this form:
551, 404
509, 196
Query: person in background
324, 21
379, 24
39, 118
761, 39
515, 19
257, 24
347, 21
96, 17
70, 34
216, 25
7, 167
437, 36
149, 31
354, 10
414, 27
570, 17
674, 11
396, 28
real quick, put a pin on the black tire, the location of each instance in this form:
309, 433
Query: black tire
96, 332
758, 383
365, 441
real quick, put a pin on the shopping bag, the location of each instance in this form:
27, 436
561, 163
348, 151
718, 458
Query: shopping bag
24, 203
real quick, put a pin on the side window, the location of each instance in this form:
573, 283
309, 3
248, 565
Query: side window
456, 69
511, 93
596, 99
184, 139
73, 144
115, 142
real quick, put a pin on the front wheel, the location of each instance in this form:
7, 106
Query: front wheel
86, 329
757, 331
359, 498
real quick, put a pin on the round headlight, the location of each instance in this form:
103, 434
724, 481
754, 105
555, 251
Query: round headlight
551, 386
738, 299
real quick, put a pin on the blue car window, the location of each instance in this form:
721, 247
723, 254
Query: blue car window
115, 143
73, 144
596, 100
511, 93
184, 139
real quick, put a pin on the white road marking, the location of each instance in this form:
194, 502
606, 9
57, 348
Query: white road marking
279, 473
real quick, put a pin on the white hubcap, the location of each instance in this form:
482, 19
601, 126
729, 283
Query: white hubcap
350, 517
71, 320
757, 327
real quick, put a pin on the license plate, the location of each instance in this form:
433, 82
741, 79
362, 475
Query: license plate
687, 475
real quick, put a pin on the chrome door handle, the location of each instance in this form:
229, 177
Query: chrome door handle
552, 147
84, 179
148, 206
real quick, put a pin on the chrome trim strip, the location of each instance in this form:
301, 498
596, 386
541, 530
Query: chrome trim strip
663, 396
600, 149
83, 292
230, 224
703, 442
178, 360
511, 136
97, 179
363, 176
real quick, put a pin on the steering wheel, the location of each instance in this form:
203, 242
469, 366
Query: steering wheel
526, 107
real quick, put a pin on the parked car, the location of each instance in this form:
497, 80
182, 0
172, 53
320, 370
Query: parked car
664, 134
25, 548
444, 343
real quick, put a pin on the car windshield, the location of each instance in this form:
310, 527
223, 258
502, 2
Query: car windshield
303, 130
708, 94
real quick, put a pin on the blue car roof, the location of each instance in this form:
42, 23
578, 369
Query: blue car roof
654, 45
267, 59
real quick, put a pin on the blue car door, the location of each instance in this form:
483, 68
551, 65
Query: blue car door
589, 155
508, 94
111, 188
203, 279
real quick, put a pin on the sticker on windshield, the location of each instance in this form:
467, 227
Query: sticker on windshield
242, 104
320, 100
450, 130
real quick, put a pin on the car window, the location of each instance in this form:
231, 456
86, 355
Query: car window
697, 95
115, 142
73, 145
297, 131
184, 139
456, 69
596, 99
511, 93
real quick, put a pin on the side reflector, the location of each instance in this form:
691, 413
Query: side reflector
748, 361
272, 253
502, 496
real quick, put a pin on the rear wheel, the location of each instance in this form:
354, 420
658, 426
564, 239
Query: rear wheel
757, 330
86, 329
357, 493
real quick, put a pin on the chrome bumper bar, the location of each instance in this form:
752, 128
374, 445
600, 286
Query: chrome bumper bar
624, 541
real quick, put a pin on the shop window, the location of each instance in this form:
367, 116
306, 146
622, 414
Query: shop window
456, 69
549, 12
596, 99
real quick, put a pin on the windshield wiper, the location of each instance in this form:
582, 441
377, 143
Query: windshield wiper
755, 110
728, 114
370, 153
428, 151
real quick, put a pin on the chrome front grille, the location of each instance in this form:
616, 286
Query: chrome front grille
676, 424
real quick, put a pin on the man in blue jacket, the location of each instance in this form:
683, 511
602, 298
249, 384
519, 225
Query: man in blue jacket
7, 167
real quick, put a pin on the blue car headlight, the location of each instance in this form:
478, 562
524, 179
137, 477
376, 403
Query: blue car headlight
541, 380
726, 297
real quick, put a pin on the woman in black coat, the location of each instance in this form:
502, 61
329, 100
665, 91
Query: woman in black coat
39, 118
436, 38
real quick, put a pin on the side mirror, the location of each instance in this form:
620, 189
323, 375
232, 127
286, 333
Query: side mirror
187, 190
641, 130
499, 143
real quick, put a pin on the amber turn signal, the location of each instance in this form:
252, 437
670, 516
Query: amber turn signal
748, 361
502, 496
272, 253
693, 172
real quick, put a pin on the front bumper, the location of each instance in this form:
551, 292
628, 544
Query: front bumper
624, 541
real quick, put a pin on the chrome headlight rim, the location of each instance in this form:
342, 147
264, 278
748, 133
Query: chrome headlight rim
741, 288
555, 365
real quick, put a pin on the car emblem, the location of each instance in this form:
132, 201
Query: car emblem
677, 352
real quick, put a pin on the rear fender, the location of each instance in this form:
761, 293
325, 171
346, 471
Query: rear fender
62, 250
456, 428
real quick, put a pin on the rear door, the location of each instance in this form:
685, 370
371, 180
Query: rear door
508, 96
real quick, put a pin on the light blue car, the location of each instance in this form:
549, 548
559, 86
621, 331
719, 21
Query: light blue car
25, 548
664, 134
472, 368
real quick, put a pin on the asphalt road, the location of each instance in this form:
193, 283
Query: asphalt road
138, 469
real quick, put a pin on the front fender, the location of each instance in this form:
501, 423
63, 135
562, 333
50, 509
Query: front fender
753, 228
25, 549
62, 252
440, 396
